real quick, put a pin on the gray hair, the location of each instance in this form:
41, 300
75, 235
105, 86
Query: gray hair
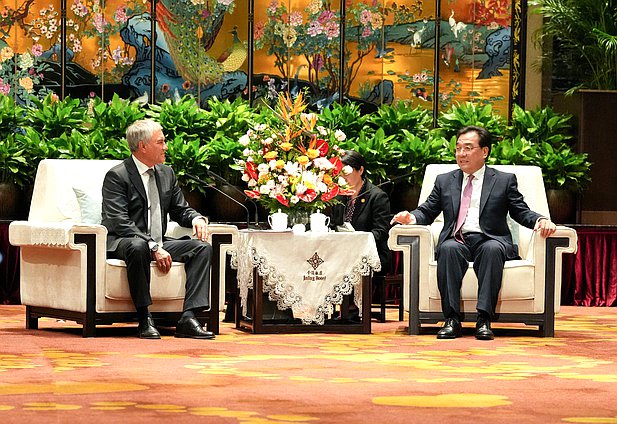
141, 130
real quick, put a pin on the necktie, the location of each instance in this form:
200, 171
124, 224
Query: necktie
462, 212
156, 225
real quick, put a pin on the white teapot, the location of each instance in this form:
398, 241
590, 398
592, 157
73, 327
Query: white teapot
278, 221
319, 222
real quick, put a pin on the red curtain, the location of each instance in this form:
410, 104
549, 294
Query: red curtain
589, 277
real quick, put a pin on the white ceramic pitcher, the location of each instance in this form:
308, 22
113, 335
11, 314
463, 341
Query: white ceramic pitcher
278, 221
319, 222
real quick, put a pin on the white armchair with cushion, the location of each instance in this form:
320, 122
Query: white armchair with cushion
531, 286
64, 270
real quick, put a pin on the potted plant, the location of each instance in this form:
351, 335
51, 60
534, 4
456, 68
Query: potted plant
14, 167
585, 33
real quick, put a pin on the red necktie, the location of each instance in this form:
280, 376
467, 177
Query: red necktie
462, 212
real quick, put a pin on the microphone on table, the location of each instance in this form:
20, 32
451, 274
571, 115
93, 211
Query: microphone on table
207, 184
224, 181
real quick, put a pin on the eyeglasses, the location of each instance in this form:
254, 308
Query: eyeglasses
465, 149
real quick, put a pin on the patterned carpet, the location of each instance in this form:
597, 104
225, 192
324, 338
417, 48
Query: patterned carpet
54, 375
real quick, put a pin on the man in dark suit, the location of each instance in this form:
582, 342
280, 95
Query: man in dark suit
475, 201
138, 194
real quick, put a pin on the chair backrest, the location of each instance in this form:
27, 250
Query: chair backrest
53, 198
530, 184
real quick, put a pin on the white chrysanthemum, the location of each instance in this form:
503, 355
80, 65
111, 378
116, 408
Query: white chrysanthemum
245, 178
263, 167
323, 163
292, 168
347, 170
322, 130
267, 141
322, 187
341, 181
272, 164
264, 189
252, 183
339, 135
294, 199
300, 189
245, 140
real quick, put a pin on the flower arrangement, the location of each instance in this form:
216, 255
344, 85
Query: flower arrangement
292, 164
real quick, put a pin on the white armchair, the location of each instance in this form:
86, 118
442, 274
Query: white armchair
531, 286
64, 270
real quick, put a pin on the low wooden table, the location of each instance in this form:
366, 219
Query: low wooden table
314, 275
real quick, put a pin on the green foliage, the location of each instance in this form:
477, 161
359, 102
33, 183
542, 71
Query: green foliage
412, 153
462, 115
394, 118
516, 151
14, 166
182, 118
541, 125
220, 155
562, 168
377, 150
229, 119
346, 117
53, 117
588, 29
187, 157
112, 119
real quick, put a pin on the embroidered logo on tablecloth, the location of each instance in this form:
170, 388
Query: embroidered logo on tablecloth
315, 261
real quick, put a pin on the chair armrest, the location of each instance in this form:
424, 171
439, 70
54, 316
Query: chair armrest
176, 231
416, 243
546, 255
51, 234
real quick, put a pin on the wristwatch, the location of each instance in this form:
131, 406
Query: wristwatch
154, 248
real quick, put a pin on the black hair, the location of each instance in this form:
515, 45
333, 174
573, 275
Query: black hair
486, 138
355, 160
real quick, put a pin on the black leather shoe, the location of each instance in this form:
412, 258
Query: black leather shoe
483, 329
192, 329
146, 329
451, 329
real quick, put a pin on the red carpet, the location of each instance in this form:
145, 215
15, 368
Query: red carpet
55, 376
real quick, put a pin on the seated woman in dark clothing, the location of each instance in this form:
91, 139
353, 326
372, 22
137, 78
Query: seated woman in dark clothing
367, 210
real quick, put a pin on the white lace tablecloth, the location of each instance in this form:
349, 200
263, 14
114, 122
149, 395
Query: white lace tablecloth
308, 273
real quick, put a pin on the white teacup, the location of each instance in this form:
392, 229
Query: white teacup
278, 221
319, 222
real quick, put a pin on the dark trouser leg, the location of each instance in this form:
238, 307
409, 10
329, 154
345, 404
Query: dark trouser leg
489, 258
197, 256
136, 253
452, 264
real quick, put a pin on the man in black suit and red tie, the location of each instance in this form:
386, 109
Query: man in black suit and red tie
475, 200
138, 195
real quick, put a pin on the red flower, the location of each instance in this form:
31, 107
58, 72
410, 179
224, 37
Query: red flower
322, 146
251, 170
308, 196
346, 192
331, 194
253, 194
282, 200
338, 165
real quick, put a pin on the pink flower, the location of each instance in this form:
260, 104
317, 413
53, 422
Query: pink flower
365, 17
314, 29
325, 16
366, 32
332, 30
99, 22
272, 8
259, 30
120, 15
5, 88
295, 19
